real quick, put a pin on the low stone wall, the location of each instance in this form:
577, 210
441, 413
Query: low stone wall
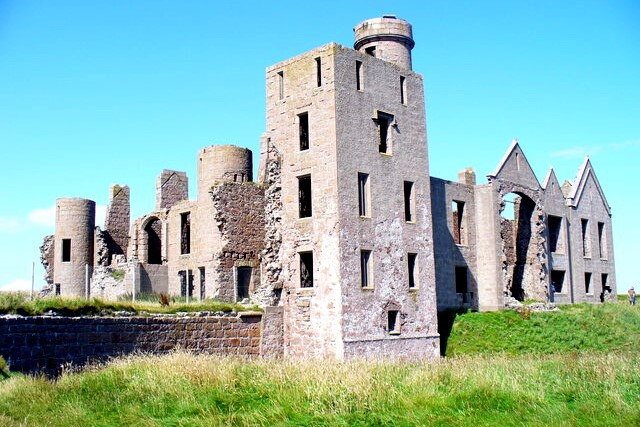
45, 344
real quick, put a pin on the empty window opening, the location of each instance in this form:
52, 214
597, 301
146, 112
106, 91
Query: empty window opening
66, 250
587, 283
201, 270
371, 50
403, 90
602, 243
185, 233
304, 196
413, 270
517, 161
409, 202
57, 291
363, 194
318, 71
365, 269
243, 280
459, 222
606, 289
186, 283
384, 123
393, 326
586, 241
306, 269
153, 231
281, 85
303, 130
359, 79
462, 284
557, 280
554, 225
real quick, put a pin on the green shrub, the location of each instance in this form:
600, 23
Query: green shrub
118, 274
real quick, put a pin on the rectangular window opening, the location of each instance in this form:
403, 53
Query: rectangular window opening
363, 194
318, 72
459, 223
306, 269
393, 326
605, 285
413, 270
57, 289
304, 196
66, 250
557, 280
462, 284
303, 130
409, 202
365, 269
359, 79
554, 224
403, 90
384, 123
202, 283
587, 283
185, 233
586, 242
280, 84
602, 243
243, 281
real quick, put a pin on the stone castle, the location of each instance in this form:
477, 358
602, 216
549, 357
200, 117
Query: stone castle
344, 238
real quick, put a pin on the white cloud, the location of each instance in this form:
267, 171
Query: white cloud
101, 212
17, 285
45, 217
10, 225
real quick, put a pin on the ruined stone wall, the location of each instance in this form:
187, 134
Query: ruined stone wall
239, 217
45, 344
47, 255
171, 187
117, 220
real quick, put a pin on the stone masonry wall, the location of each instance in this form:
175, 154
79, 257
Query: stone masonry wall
117, 220
171, 187
45, 344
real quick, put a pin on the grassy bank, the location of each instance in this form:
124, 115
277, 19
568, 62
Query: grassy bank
598, 328
20, 303
181, 389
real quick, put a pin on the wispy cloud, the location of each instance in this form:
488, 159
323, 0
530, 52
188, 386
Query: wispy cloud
45, 217
16, 285
10, 225
41, 217
581, 151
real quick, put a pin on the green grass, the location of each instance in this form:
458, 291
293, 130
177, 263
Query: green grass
185, 390
19, 303
598, 328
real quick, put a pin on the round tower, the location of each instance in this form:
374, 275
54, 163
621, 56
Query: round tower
223, 163
74, 244
388, 38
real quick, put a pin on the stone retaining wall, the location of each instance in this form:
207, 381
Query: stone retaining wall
44, 344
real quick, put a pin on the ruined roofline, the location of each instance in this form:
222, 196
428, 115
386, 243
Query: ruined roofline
505, 158
577, 189
551, 173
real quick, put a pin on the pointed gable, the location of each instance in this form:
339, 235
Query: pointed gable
554, 199
586, 182
515, 167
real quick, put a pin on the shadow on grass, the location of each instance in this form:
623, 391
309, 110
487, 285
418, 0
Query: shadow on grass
446, 319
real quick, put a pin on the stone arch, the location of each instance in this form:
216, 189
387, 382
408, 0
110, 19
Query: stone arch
152, 228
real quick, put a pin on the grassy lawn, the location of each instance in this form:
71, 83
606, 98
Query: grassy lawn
19, 303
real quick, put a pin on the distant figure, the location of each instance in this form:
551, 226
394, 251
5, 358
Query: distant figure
632, 296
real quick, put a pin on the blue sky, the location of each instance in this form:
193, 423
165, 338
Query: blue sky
99, 93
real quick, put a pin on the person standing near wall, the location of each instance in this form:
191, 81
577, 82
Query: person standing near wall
632, 296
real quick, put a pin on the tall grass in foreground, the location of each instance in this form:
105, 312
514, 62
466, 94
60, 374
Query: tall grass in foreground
185, 390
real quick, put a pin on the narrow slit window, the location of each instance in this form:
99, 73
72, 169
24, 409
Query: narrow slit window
66, 250
359, 80
365, 269
57, 290
587, 283
318, 72
393, 325
280, 84
306, 269
462, 284
202, 282
413, 270
586, 242
403, 90
557, 280
384, 124
458, 221
303, 131
409, 202
605, 285
304, 196
363, 194
185, 233
243, 281
554, 224
602, 243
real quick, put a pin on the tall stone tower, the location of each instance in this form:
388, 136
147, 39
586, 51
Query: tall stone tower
349, 130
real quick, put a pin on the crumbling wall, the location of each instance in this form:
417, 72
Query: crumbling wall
46, 259
102, 253
239, 216
117, 220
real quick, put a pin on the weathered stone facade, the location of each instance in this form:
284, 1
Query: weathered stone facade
345, 239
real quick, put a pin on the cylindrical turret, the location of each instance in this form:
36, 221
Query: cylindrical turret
388, 38
222, 163
74, 244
